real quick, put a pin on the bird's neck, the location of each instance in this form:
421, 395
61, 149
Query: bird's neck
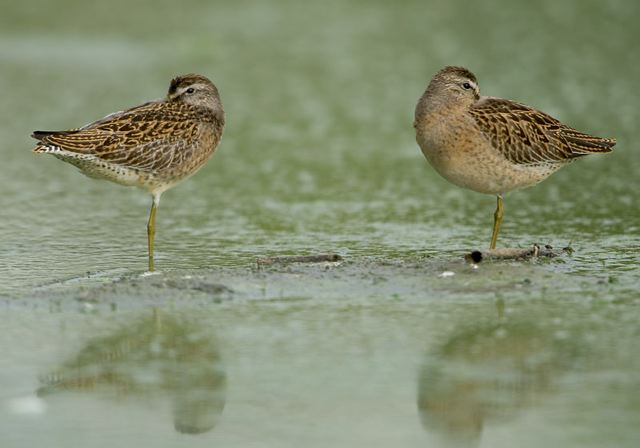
432, 104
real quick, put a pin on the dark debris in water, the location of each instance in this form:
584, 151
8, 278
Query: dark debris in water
516, 253
290, 259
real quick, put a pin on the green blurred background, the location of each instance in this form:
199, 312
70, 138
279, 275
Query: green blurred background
319, 155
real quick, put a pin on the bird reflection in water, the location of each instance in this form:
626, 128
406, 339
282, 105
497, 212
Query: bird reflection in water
155, 356
487, 372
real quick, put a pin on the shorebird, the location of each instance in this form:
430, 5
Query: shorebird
493, 145
153, 146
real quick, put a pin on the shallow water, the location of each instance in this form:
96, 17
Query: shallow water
318, 156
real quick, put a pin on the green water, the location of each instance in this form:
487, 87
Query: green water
318, 156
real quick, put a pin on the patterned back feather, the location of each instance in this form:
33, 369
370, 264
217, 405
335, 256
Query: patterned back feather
149, 137
527, 136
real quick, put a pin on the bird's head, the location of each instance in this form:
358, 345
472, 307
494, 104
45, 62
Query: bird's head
196, 90
452, 87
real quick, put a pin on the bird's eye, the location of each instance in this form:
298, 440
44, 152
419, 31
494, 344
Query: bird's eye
466, 86
190, 90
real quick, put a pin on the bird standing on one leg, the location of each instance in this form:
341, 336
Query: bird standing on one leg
153, 146
492, 145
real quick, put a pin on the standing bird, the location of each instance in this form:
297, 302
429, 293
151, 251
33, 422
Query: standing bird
153, 146
492, 145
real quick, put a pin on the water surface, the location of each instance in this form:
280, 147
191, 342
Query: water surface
318, 156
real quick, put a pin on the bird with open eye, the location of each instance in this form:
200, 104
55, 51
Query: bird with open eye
153, 146
493, 145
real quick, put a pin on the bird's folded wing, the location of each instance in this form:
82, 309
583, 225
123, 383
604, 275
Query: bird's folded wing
146, 137
527, 136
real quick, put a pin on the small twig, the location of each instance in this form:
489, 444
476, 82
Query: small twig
288, 259
512, 253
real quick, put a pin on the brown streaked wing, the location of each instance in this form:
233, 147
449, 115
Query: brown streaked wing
527, 136
144, 137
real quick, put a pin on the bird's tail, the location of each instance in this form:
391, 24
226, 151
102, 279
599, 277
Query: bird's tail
582, 144
39, 135
43, 145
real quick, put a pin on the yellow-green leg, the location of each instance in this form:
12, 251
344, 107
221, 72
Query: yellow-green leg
497, 220
151, 229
